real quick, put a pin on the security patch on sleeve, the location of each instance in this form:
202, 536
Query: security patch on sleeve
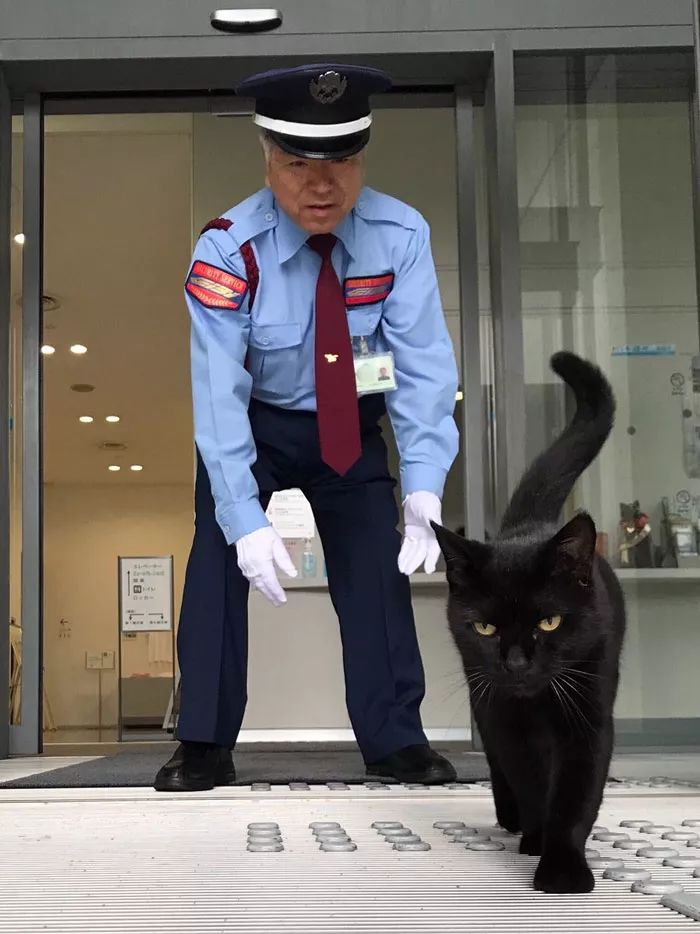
215, 288
369, 290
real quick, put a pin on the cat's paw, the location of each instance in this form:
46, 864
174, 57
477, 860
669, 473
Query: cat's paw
564, 873
531, 844
508, 821
506, 810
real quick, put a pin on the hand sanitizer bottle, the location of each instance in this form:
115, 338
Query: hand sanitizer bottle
308, 560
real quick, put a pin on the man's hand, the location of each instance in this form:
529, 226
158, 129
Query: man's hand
258, 553
419, 543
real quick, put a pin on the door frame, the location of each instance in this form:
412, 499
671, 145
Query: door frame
26, 739
5, 300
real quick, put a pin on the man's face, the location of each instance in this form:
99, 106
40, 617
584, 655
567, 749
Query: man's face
315, 193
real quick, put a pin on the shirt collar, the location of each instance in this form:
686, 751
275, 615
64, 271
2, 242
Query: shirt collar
291, 238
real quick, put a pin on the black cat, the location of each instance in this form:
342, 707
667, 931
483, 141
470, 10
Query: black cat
539, 619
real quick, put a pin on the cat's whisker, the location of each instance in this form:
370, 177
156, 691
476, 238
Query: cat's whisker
580, 689
585, 674
568, 703
564, 708
458, 689
477, 670
492, 691
581, 715
453, 683
484, 689
474, 686
476, 678
582, 684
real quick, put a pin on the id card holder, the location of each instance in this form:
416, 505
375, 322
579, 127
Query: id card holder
374, 372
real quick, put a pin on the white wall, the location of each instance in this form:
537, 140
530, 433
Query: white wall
296, 678
86, 529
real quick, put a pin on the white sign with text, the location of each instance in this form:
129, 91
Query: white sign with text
145, 594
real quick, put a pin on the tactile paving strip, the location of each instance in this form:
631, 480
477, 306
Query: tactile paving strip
112, 861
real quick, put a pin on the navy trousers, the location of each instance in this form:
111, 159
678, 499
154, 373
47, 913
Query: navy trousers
357, 520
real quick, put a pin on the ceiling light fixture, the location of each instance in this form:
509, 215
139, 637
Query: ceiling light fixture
47, 350
78, 349
112, 418
136, 467
19, 239
86, 419
113, 468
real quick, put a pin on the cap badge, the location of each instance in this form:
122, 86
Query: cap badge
328, 87
331, 357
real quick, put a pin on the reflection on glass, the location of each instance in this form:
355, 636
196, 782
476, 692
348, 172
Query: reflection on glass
15, 422
608, 271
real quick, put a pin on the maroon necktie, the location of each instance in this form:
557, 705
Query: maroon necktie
336, 392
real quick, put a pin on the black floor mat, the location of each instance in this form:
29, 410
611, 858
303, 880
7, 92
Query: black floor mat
137, 769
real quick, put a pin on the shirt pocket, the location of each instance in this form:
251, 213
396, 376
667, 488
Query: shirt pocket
364, 322
274, 357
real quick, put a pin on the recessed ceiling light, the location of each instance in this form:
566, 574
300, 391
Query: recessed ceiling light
78, 349
113, 467
86, 419
136, 467
47, 350
20, 238
112, 418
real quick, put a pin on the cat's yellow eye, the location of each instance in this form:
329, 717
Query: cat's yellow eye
484, 629
549, 624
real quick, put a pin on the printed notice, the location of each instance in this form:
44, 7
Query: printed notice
145, 594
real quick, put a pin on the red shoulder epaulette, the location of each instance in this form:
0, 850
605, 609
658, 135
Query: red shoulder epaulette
219, 223
251, 266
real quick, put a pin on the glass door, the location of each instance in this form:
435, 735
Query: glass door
124, 197
608, 271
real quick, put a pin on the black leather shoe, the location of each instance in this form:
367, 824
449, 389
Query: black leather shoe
419, 764
196, 767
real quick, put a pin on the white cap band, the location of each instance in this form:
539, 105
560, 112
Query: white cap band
312, 130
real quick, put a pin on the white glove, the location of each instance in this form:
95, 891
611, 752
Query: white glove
419, 542
257, 554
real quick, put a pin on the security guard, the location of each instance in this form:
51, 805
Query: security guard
315, 308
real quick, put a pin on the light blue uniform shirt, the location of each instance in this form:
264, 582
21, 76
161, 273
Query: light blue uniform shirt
268, 351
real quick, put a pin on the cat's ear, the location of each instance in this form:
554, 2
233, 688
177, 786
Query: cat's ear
464, 556
572, 549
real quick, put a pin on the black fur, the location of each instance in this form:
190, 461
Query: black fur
543, 701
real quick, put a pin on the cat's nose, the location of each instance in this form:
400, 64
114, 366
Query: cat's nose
516, 660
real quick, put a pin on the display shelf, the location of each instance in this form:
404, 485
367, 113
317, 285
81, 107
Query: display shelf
658, 575
438, 580
312, 583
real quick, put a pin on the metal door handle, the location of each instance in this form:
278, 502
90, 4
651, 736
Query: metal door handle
246, 20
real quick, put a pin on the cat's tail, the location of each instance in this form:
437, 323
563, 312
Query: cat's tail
541, 493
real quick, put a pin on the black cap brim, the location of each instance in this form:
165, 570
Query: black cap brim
336, 147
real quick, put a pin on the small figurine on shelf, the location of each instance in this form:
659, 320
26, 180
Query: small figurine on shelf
635, 537
681, 535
